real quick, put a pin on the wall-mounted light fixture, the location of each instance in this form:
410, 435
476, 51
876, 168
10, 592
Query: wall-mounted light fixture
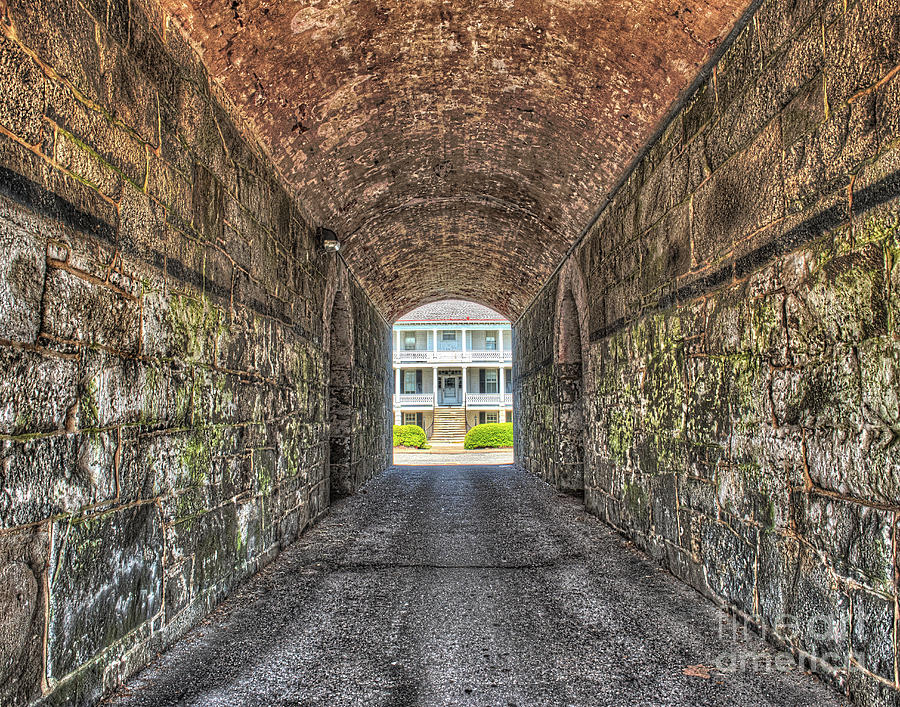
328, 239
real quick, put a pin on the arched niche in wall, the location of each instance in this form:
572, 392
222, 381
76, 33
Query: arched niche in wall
339, 342
571, 369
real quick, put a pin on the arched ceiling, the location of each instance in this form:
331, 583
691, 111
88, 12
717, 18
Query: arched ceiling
456, 148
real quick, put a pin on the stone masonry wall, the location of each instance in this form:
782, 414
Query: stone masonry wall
163, 402
743, 387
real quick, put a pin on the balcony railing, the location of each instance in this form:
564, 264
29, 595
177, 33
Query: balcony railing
486, 399
472, 400
452, 356
414, 400
412, 355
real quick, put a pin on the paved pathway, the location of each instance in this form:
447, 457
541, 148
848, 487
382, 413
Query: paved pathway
451, 454
464, 585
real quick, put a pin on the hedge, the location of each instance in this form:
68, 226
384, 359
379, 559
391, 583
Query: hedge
491, 434
409, 436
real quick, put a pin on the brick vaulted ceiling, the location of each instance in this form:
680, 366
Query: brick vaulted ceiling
457, 148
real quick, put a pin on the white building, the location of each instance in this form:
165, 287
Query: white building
452, 366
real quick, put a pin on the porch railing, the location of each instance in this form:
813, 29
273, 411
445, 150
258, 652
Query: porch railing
414, 400
473, 399
452, 356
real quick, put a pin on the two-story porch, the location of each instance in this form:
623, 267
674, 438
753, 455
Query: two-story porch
467, 386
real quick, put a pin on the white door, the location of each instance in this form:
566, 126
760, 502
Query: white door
450, 396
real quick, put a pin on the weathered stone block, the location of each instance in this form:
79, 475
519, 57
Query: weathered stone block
22, 94
41, 478
37, 393
666, 252
817, 611
856, 539
707, 418
873, 634
735, 68
664, 501
84, 163
21, 273
776, 19
743, 196
879, 376
77, 312
824, 159
219, 543
857, 462
67, 43
23, 570
802, 116
862, 45
729, 556
125, 93
106, 390
184, 328
116, 146
107, 581
779, 560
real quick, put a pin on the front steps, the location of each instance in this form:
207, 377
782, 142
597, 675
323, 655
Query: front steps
449, 426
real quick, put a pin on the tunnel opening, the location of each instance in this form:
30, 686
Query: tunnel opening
570, 368
452, 379
340, 398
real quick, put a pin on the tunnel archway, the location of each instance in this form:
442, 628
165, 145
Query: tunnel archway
571, 375
340, 396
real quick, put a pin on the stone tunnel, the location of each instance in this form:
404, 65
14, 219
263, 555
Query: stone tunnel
690, 210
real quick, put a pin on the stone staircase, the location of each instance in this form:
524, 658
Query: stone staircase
449, 426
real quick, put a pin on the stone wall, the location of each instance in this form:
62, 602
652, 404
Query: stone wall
163, 336
743, 311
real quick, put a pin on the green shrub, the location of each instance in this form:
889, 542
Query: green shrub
491, 434
409, 436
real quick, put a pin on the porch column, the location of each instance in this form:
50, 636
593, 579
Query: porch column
434, 380
464, 343
500, 340
465, 370
398, 414
397, 340
502, 377
434, 338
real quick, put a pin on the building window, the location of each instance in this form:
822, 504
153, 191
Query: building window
448, 336
409, 342
409, 418
490, 342
484, 417
490, 381
409, 382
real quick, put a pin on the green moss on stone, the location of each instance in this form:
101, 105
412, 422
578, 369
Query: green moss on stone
621, 434
196, 325
90, 412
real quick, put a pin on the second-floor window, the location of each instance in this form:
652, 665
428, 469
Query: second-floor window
412, 382
409, 342
448, 336
490, 342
